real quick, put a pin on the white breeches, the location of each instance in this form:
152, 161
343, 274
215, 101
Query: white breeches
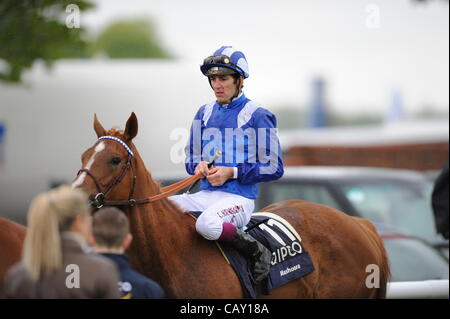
217, 207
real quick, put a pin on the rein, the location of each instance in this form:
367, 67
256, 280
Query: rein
165, 192
99, 201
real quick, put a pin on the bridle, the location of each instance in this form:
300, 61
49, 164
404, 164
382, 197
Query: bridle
98, 200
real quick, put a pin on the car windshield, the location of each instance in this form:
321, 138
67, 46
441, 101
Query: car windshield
406, 206
412, 260
311, 192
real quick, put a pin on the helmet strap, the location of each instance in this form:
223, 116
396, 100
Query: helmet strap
238, 88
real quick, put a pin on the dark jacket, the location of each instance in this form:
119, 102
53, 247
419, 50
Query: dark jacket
132, 284
440, 202
98, 278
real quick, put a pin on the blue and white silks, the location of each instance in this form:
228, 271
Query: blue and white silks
246, 134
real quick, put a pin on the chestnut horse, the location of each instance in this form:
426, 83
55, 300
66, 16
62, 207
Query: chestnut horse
167, 248
12, 236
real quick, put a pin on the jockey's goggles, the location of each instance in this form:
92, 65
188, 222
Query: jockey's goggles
218, 59
220, 64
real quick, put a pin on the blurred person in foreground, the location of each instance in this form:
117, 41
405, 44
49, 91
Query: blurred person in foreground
112, 238
56, 262
440, 201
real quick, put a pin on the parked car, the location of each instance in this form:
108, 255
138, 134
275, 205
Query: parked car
411, 258
400, 198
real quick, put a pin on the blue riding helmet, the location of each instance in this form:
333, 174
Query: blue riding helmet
226, 60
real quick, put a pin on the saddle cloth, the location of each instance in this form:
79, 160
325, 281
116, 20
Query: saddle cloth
289, 260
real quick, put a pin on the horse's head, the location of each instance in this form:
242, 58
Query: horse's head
107, 170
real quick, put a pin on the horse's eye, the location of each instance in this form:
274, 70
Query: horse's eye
115, 161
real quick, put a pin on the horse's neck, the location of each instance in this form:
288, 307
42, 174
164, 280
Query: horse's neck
159, 229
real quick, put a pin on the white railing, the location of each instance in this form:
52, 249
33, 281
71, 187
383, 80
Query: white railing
418, 289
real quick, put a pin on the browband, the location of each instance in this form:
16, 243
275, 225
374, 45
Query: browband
117, 140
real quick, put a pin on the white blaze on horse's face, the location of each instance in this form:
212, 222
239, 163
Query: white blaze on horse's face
80, 179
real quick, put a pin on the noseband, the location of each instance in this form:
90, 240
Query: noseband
98, 200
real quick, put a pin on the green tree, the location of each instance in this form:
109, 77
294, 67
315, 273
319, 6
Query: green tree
33, 30
130, 39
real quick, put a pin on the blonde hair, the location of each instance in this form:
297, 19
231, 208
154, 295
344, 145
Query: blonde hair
50, 214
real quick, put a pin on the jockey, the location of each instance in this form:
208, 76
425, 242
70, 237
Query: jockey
245, 136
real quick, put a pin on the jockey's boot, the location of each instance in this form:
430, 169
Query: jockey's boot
259, 254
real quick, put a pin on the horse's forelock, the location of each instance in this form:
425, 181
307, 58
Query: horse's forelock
116, 132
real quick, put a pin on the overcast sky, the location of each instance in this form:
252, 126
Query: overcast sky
362, 55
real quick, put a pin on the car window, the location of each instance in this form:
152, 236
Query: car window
405, 206
315, 193
412, 260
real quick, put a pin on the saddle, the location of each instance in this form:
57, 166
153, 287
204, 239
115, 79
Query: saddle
289, 259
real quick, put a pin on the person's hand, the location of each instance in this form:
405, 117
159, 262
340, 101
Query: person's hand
218, 175
202, 167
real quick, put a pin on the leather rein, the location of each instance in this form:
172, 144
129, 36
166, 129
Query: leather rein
99, 200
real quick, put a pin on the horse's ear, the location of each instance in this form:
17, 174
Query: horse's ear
98, 127
131, 128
